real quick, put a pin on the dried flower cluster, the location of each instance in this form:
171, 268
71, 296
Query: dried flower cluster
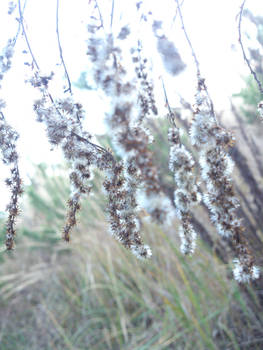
186, 195
132, 183
120, 186
8, 140
5, 58
146, 95
63, 126
260, 110
216, 168
63, 118
125, 120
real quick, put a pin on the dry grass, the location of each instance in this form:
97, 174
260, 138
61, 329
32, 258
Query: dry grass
93, 294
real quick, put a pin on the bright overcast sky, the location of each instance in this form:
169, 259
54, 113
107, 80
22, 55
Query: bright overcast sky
211, 25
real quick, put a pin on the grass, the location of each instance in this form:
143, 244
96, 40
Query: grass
93, 294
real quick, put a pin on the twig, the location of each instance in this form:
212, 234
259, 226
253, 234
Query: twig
19, 26
61, 53
189, 41
174, 18
112, 13
201, 81
21, 19
99, 148
171, 114
101, 18
243, 50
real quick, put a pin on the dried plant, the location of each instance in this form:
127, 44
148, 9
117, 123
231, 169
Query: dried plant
131, 177
8, 139
186, 195
216, 168
252, 71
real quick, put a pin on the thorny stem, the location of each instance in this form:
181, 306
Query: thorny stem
201, 81
61, 53
243, 50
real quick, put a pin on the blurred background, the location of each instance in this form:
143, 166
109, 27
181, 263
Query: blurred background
92, 293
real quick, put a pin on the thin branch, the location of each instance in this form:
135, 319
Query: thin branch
171, 114
201, 81
21, 19
101, 18
19, 25
112, 13
174, 18
189, 41
243, 50
60, 51
99, 148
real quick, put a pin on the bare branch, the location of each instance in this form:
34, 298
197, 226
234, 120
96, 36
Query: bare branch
171, 114
61, 53
21, 19
189, 41
201, 81
243, 50
112, 13
101, 18
19, 26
